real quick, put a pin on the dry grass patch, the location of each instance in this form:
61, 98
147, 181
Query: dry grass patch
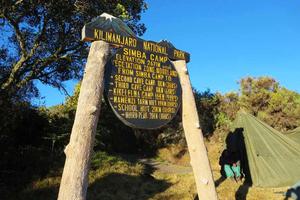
110, 178
182, 187
175, 154
230, 190
113, 178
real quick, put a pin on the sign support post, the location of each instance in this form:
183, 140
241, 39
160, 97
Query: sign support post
78, 152
198, 153
145, 85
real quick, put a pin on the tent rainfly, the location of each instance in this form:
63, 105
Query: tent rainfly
273, 157
294, 134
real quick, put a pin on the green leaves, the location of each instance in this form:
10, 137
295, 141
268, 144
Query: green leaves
266, 99
43, 40
121, 12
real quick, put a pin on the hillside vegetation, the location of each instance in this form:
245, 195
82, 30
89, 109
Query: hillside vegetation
32, 141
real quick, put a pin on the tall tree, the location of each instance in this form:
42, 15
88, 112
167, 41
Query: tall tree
256, 93
41, 39
283, 112
264, 98
229, 104
207, 104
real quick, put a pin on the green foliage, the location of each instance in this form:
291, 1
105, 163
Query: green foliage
21, 124
283, 112
71, 101
207, 104
43, 40
121, 12
171, 134
223, 121
32, 139
58, 129
264, 98
256, 93
229, 104
280, 109
110, 134
102, 159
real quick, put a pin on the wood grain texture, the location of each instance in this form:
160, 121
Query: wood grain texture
198, 153
78, 152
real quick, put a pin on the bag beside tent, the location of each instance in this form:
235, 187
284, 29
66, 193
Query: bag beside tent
273, 158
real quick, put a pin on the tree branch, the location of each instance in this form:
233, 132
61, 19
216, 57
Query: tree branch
55, 84
38, 38
19, 35
12, 76
40, 65
15, 69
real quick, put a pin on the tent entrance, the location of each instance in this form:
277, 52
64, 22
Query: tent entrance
235, 144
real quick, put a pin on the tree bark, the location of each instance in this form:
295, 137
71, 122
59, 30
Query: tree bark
78, 152
193, 134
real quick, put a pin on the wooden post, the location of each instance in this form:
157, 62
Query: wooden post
78, 152
198, 153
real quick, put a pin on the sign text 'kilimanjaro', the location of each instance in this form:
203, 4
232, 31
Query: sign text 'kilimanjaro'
90, 34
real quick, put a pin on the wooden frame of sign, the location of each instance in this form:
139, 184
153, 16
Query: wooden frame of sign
145, 84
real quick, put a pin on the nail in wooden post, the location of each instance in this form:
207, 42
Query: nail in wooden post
78, 152
193, 134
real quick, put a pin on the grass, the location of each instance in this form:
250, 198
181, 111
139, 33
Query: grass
230, 190
227, 190
174, 154
113, 177
182, 187
110, 177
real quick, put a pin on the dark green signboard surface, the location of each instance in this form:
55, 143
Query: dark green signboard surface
141, 83
142, 88
91, 34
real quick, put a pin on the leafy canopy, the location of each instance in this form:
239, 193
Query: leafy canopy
41, 39
264, 98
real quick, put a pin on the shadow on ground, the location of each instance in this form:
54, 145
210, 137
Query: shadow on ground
293, 193
241, 193
117, 186
113, 186
44, 193
219, 181
20, 168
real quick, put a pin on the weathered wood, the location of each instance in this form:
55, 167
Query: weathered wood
198, 153
74, 181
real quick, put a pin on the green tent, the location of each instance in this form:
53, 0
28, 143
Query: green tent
272, 157
294, 134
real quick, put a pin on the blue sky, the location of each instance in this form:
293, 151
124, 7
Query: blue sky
227, 40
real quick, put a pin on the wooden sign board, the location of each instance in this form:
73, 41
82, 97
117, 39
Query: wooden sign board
141, 83
142, 88
91, 34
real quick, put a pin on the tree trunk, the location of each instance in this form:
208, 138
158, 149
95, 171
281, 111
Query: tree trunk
78, 152
193, 134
